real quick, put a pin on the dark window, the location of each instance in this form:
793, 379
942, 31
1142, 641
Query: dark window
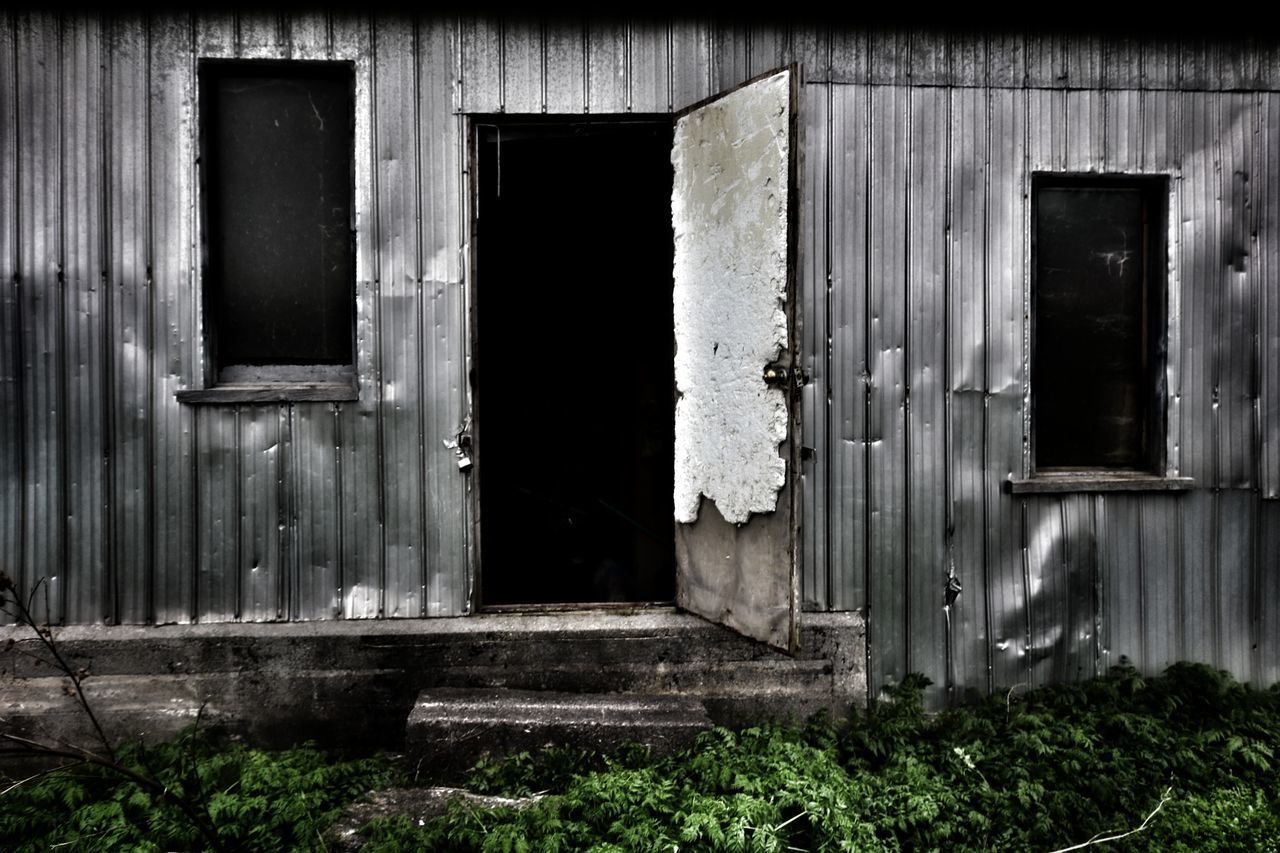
1098, 322
276, 156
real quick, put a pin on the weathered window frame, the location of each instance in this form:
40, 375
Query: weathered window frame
280, 381
1152, 472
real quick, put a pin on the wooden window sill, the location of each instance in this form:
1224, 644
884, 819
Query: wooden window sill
1098, 481
271, 393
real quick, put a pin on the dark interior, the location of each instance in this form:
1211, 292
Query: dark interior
573, 360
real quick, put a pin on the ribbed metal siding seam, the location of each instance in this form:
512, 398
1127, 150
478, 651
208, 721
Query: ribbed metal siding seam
84, 384
887, 595
814, 309
40, 128
398, 228
172, 178
12, 437
849, 332
926, 465
1268, 267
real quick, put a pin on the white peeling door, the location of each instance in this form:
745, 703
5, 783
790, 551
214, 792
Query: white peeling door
736, 429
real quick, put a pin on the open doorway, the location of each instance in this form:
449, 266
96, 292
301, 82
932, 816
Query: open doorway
574, 388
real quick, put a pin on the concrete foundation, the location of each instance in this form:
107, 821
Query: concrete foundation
351, 685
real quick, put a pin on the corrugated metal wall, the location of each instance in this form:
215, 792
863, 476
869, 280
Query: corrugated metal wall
917, 154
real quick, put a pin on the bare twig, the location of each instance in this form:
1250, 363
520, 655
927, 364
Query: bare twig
1102, 838
45, 635
200, 822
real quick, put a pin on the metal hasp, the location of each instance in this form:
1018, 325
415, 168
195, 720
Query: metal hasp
736, 428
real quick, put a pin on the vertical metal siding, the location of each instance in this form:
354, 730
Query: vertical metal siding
814, 295
172, 90
1006, 258
39, 292
966, 341
360, 428
925, 468
848, 374
1268, 274
444, 328
397, 190
84, 335
886, 342
918, 150
1268, 592
11, 394
129, 366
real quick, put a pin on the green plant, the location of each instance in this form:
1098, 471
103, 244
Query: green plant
1054, 768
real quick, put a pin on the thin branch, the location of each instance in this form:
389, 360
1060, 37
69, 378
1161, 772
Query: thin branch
46, 638
39, 775
201, 823
1103, 839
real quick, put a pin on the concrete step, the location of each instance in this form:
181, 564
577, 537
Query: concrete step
449, 729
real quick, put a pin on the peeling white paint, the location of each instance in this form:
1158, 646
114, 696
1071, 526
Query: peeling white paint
729, 212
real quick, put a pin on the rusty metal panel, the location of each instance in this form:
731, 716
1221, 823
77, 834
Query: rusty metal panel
691, 62
847, 444
11, 392
811, 48
39, 298
1202, 267
566, 44
1268, 560
1120, 580
1161, 57
129, 365
1062, 561
397, 194
218, 513
1267, 272
1122, 62
968, 58
1046, 56
443, 333
1083, 55
886, 428
650, 67
1047, 131
83, 336
1006, 258
1122, 147
966, 341
215, 35
1085, 129
309, 35
259, 34
1006, 59
359, 428
925, 348
177, 350
313, 465
1199, 63
261, 492
480, 44
815, 350
1191, 632
1236, 359
850, 56
522, 62
1166, 571
608, 67
930, 57
1238, 583
889, 57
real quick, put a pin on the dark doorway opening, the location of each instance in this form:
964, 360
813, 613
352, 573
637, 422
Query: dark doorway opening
573, 360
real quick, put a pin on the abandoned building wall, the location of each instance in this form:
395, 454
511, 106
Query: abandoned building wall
916, 162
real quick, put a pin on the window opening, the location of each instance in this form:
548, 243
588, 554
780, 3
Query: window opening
1098, 333
277, 188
